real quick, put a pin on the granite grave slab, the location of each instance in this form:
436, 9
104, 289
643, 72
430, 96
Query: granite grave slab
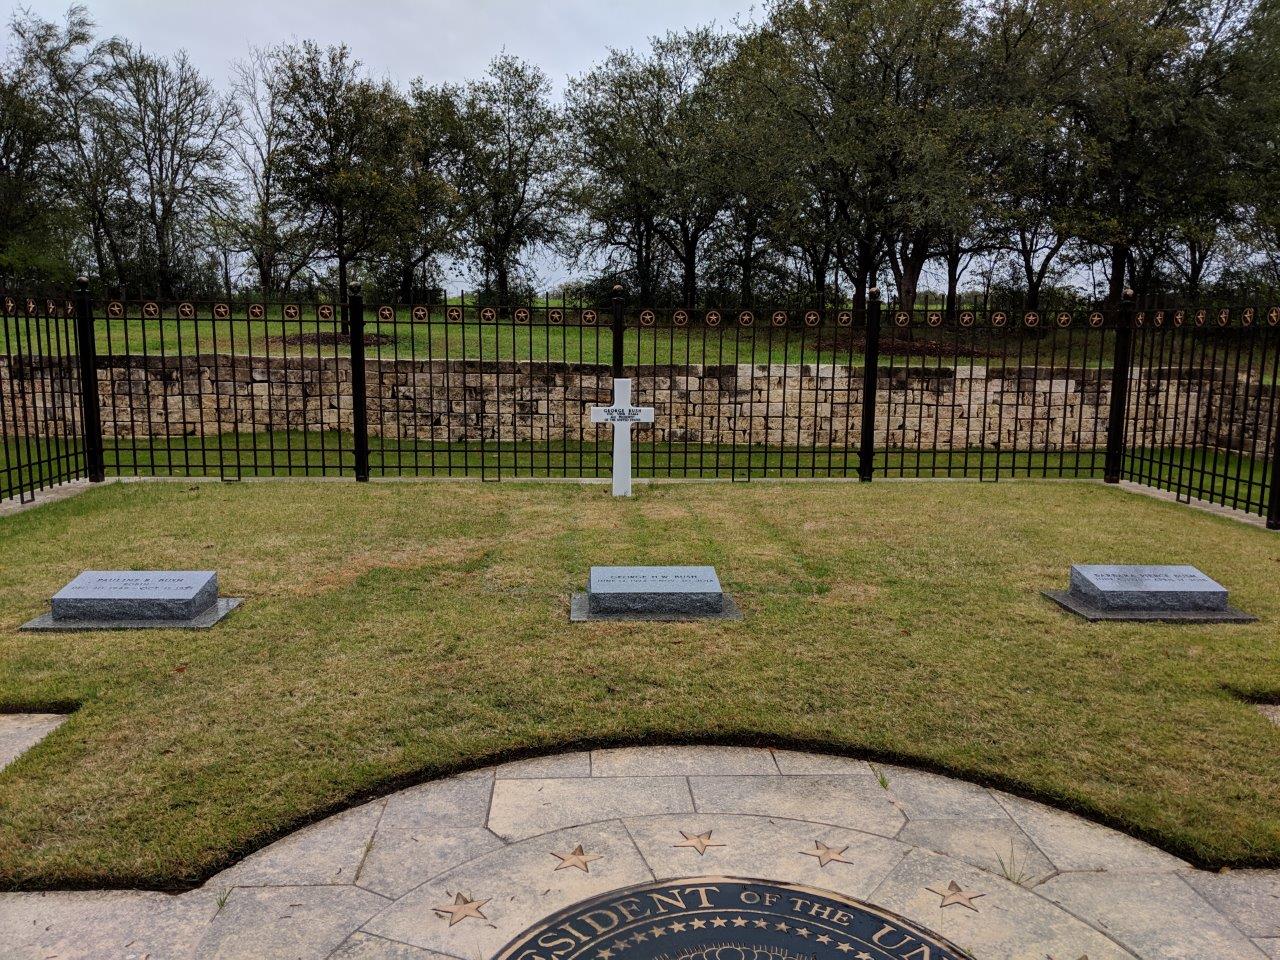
1169, 593
136, 599
653, 593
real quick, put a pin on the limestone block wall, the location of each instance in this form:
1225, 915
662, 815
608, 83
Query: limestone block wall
971, 407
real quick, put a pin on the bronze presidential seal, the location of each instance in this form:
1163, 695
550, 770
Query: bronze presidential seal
725, 918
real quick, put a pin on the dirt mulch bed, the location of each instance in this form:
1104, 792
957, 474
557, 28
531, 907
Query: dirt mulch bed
915, 347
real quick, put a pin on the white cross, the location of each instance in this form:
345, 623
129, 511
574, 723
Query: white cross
621, 416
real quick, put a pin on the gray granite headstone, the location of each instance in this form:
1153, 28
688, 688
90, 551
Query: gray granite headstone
132, 599
653, 593
1145, 592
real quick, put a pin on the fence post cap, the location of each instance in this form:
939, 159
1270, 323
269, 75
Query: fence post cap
874, 293
1127, 293
82, 282
354, 289
617, 289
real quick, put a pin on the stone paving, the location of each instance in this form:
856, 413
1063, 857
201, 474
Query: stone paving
456, 868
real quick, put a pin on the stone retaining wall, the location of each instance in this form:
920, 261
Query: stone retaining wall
1037, 408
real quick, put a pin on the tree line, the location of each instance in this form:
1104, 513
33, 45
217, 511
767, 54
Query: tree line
1030, 149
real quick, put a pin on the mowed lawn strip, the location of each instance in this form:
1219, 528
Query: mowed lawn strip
397, 631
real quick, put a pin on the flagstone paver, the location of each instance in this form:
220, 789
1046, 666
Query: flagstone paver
456, 868
19, 732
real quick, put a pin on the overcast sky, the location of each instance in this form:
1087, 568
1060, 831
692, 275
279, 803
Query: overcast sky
437, 40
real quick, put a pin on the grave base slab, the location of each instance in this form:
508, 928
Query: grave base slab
1081, 608
45, 623
580, 612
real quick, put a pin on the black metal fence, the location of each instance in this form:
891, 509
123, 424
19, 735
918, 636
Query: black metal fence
1181, 399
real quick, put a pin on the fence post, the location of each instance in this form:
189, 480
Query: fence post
1273, 501
618, 331
1121, 369
90, 408
359, 399
870, 381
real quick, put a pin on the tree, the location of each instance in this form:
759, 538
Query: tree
339, 153
1155, 71
176, 131
426, 221
505, 162
70, 78
264, 226
653, 127
33, 209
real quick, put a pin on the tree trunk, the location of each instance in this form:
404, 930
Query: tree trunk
689, 278
748, 264
502, 279
954, 253
342, 294
1116, 278
407, 270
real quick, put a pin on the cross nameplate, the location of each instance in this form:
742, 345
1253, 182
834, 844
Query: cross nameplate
621, 416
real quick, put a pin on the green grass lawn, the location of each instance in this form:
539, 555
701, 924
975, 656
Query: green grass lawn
1225, 477
396, 632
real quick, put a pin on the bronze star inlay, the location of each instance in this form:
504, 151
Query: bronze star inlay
461, 908
698, 842
956, 894
826, 854
576, 858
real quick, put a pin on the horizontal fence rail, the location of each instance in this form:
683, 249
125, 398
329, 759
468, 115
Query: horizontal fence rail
1183, 400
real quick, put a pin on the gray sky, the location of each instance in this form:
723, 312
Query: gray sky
437, 40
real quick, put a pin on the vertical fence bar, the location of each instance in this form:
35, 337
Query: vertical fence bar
1273, 499
90, 409
1120, 373
359, 398
870, 380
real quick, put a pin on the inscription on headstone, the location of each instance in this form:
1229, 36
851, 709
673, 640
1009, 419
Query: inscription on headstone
133, 599
136, 595
1145, 592
653, 593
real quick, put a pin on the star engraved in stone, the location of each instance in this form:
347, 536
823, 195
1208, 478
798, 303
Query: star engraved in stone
843, 947
677, 928
576, 858
461, 908
604, 954
697, 924
739, 921
719, 922
698, 842
826, 854
957, 894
